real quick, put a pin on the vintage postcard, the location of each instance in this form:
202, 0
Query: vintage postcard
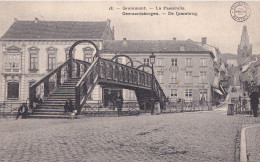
129, 80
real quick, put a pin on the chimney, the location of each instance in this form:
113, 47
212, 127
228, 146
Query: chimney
124, 41
36, 20
108, 22
204, 40
15, 19
174, 38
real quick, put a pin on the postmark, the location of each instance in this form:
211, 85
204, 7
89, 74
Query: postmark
240, 11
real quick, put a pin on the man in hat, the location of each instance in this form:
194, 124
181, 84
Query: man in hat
119, 102
254, 101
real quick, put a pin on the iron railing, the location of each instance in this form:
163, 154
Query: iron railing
9, 108
182, 106
55, 78
113, 72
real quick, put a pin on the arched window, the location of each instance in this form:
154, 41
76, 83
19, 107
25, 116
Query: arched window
34, 59
51, 51
12, 90
12, 59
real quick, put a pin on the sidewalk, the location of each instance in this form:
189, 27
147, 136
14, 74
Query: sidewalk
251, 125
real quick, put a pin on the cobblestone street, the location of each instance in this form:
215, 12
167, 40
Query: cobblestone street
194, 136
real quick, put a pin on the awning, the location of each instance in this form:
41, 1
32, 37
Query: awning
217, 90
222, 89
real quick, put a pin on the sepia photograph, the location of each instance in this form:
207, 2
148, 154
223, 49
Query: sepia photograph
130, 81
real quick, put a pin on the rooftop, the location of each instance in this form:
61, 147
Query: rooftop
153, 46
38, 29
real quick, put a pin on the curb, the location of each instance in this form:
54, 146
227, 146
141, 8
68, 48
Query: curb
243, 150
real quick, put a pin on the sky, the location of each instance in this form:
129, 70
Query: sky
213, 19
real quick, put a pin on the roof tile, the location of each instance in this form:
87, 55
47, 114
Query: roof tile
55, 30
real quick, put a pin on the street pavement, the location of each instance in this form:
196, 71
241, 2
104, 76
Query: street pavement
193, 136
252, 135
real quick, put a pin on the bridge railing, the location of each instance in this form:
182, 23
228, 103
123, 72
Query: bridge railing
122, 73
50, 82
113, 71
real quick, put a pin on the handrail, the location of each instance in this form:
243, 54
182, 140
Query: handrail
86, 73
86, 81
50, 74
50, 82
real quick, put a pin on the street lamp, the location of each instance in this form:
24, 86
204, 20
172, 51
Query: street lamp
152, 60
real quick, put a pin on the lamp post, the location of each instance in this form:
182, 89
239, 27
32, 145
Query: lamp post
152, 60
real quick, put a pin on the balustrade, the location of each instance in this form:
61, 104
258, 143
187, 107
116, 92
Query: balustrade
54, 79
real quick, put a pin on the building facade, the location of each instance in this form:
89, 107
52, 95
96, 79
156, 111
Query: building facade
31, 49
184, 69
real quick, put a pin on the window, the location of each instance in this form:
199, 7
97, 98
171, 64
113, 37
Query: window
188, 77
203, 94
174, 78
188, 94
174, 93
188, 62
51, 58
13, 90
203, 77
131, 95
174, 62
67, 50
203, 62
12, 59
34, 60
146, 61
160, 76
88, 52
159, 62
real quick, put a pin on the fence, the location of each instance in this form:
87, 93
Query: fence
10, 108
241, 105
96, 108
182, 106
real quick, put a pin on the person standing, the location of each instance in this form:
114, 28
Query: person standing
254, 101
119, 102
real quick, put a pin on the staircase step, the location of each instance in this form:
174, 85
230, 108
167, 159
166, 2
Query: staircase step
61, 107
50, 110
50, 116
51, 113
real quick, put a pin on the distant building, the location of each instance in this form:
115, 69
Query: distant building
184, 69
244, 49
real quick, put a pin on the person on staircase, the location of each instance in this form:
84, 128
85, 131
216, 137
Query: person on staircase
68, 105
119, 103
36, 101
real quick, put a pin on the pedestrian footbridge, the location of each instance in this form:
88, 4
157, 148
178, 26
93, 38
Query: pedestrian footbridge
76, 79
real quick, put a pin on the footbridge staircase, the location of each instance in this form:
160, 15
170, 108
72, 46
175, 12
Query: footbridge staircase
76, 79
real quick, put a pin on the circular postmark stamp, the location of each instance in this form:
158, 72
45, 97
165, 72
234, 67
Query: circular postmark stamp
240, 11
